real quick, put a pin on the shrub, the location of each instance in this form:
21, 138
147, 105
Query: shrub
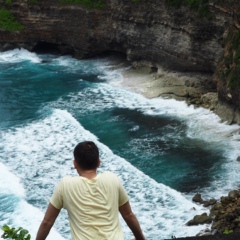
8, 1
86, 3
33, 1
12, 233
200, 6
227, 231
7, 21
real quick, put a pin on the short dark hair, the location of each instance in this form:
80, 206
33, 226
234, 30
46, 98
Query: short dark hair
86, 154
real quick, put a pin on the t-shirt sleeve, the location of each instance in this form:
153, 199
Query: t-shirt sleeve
123, 197
57, 198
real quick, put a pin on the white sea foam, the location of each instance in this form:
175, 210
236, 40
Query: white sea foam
31, 217
201, 124
26, 216
10, 183
16, 212
45, 152
88, 67
19, 55
44, 155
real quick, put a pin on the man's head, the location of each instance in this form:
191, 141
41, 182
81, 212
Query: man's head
86, 155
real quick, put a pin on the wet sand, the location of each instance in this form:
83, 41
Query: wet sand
162, 83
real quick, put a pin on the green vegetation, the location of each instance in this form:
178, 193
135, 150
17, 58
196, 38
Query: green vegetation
33, 1
227, 231
8, 22
90, 4
86, 3
201, 6
12, 233
8, 2
232, 60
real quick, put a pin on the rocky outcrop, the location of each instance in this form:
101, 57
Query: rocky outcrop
200, 219
224, 214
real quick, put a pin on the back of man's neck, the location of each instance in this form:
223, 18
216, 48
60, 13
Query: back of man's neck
89, 174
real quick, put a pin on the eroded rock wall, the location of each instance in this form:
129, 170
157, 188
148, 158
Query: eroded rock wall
150, 32
227, 74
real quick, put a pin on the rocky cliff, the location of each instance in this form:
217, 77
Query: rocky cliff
151, 33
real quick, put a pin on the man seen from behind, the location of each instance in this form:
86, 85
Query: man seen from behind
92, 201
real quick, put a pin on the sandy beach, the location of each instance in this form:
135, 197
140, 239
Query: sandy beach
161, 83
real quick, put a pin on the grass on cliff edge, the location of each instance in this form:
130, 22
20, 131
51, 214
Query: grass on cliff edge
86, 3
90, 4
8, 22
200, 6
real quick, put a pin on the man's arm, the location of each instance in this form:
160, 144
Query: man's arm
47, 222
131, 221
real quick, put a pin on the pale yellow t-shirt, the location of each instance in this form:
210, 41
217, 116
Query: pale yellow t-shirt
92, 205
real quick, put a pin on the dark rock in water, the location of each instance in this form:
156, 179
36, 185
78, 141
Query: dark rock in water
224, 216
226, 213
197, 198
199, 219
209, 203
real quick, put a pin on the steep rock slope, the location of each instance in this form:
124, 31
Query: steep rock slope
227, 74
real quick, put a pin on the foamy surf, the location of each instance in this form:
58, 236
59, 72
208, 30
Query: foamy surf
202, 125
19, 55
44, 145
15, 211
45, 151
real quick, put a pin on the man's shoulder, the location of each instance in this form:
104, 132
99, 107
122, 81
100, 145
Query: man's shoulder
66, 179
108, 175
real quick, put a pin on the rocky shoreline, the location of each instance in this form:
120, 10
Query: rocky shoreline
198, 90
224, 215
194, 88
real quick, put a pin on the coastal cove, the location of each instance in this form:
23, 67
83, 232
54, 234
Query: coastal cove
197, 89
221, 215
173, 149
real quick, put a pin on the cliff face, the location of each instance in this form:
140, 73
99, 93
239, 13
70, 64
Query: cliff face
149, 31
227, 74
158, 33
65, 26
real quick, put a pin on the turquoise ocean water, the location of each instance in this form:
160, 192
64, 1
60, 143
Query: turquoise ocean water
163, 150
